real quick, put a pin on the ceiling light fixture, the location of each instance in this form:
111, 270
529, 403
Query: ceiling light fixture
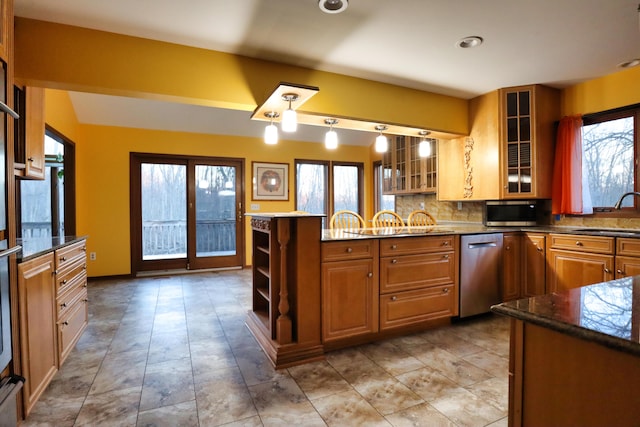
469, 42
630, 64
271, 131
382, 144
333, 6
331, 137
289, 121
424, 148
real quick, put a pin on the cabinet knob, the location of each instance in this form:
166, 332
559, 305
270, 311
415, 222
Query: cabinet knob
445, 256
507, 248
394, 246
63, 258
445, 243
620, 272
538, 248
606, 270
349, 250
86, 300
63, 305
394, 261
64, 281
84, 248
394, 298
370, 274
65, 323
579, 243
30, 159
445, 290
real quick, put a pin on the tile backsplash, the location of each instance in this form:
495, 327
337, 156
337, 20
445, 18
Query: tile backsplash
442, 211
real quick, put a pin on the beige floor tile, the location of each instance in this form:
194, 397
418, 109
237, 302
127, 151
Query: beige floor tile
419, 416
348, 409
167, 384
114, 408
428, 383
466, 409
388, 396
183, 414
318, 379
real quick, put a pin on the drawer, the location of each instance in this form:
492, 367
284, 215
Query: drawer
415, 245
406, 272
406, 308
70, 328
75, 275
349, 249
581, 243
66, 302
627, 247
69, 254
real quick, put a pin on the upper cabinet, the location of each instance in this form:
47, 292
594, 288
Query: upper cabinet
5, 25
510, 148
527, 116
405, 171
29, 132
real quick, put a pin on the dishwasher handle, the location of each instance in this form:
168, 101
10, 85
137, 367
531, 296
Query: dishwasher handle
480, 245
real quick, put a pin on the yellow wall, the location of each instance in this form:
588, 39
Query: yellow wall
102, 155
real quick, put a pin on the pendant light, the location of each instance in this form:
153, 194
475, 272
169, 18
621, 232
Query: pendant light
424, 148
289, 121
331, 137
382, 144
271, 131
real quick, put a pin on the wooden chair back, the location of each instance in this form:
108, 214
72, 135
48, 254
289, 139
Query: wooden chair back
386, 218
346, 219
420, 218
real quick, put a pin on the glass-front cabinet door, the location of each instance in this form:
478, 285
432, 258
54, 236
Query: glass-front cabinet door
518, 139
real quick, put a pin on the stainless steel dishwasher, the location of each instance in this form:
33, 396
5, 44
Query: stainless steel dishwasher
480, 263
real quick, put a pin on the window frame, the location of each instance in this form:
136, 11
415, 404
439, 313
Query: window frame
378, 184
614, 114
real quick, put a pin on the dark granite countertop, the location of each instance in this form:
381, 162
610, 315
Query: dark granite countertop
606, 313
34, 247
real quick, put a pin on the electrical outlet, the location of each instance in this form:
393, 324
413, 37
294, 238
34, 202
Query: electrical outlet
421, 205
255, 206
459, 206
92, 256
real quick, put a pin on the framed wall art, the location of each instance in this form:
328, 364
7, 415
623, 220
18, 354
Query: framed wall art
270, 181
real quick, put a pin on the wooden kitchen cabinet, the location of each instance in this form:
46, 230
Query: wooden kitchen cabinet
349, 289
578, 260
627, 257
534, 264
38, 332
405, 171
527, 135
418, 280
511, 265
285, 315
29, 132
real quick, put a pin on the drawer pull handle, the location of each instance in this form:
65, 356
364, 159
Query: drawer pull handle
85, 285
445, 256
64, 281
370, 274
394, 246
394, 261
619, 271
63, 305
606, 270
445, 290
394, 298
579, 243
84, 248
538, 248
445, 243
65, 323
63, 258
349, 250
86, 300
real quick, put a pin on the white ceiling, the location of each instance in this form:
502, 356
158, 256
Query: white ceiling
409, 43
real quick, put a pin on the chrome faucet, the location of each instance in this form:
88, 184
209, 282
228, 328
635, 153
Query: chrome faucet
619, 202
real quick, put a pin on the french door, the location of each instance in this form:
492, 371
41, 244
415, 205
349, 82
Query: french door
186, 212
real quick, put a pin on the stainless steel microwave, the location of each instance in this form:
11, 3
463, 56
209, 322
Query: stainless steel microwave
514, 213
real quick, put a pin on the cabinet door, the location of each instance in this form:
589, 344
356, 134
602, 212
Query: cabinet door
575, 269
34, 133
38, 335
627, 266
511, 262
349, 299
534, 265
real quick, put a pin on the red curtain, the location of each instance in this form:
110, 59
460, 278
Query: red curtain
567, 171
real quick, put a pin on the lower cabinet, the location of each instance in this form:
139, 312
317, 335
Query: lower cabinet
534, 265
349, 289
627, 257
52, 294
576, 260
38, 332
511, 263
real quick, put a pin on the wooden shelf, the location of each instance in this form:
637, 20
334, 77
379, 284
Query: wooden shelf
263, 249
264, 293
264, 271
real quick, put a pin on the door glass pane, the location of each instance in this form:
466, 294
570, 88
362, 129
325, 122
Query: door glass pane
215, 210
345, 188
164, 211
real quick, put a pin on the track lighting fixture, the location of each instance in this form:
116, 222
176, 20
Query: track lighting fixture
331, 137
382, 144
271, 131
289, 117
424, 148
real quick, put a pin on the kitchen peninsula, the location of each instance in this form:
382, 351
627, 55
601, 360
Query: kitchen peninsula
575, 356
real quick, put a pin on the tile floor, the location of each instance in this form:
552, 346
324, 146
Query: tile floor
174, 351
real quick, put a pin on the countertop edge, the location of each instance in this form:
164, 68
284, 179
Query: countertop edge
44, 249
569, 329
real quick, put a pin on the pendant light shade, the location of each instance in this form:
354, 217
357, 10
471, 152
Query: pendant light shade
424, 148
289, 117
331, 137
382, 144
271, 131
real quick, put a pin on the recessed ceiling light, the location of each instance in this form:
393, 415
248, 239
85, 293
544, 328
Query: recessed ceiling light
333, 6
469, 42
629, 64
